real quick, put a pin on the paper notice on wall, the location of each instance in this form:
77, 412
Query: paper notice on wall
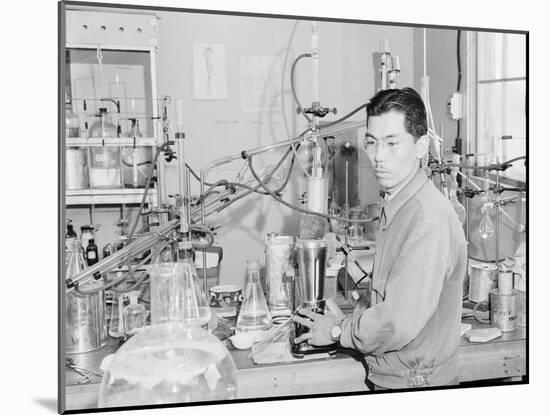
260, 84
209, 73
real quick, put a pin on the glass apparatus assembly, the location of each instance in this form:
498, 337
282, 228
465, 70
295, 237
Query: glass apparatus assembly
174, 360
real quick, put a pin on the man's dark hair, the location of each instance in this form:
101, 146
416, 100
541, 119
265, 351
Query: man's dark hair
408, 102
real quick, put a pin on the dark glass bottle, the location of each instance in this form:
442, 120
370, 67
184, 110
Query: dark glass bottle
70, 231
91, 253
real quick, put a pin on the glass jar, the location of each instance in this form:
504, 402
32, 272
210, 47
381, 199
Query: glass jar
72, 123
104, 160
76, 168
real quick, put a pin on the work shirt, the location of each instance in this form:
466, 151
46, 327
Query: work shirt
411, 332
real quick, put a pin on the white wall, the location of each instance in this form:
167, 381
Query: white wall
215, 129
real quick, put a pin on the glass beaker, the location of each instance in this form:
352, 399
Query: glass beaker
76, 168
356, 229
334, 210
136, 161
177, 295
105, 167
254, 315
278, 254
116, 323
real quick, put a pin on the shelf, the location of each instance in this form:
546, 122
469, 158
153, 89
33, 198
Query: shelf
111, 142
106, 196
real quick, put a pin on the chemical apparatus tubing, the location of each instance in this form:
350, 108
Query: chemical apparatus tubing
148, 241
212, 204
317, 185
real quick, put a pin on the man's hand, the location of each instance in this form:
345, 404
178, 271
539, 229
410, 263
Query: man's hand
319, 326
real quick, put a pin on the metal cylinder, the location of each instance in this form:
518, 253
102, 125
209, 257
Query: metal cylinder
312, 259
504, 310
505, 282
85, 324
483, 278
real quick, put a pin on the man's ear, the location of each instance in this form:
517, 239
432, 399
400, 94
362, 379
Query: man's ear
422, 146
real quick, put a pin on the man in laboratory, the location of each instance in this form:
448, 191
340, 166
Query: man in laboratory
410, 334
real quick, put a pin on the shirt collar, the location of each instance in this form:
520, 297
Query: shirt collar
392, 205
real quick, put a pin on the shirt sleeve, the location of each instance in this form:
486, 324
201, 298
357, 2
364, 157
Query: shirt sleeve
412, 293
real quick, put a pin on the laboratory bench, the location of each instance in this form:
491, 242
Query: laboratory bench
503, 358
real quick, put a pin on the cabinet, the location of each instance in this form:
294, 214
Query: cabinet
110, 70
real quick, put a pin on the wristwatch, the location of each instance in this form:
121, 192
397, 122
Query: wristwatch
335, 333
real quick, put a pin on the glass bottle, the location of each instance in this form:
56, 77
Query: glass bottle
91, 253
108, 249
116, 322
70, 230
133, 315
102, 127
254, 315
104, 159
76, 262
70, 235
72, 123
86, 233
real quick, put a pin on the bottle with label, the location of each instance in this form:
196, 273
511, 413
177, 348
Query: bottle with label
91, 253
133, 315
108, 249
70, 236
86, 233
72, 123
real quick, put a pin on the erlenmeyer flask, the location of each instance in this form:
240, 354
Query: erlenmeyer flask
254, 315
486, 228
178, 295
195, 308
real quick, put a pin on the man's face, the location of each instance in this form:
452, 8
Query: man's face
392, 151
